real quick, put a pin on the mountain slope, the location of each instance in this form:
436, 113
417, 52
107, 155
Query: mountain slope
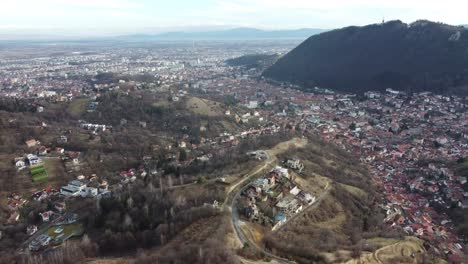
422, 56
254, 60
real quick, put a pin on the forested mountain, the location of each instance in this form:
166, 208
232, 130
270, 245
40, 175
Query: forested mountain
422, 56
254, 60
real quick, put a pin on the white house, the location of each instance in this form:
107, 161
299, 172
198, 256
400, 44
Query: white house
73, 188
33, 159
89, 192
20, 164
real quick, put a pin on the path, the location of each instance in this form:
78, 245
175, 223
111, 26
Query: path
271, 160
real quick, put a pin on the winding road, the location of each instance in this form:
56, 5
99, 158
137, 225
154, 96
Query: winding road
230, 203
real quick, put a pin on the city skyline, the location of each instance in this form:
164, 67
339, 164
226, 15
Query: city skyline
117, 17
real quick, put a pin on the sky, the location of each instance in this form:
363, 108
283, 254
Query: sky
118, 17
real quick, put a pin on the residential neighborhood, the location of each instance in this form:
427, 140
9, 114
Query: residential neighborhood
410, 143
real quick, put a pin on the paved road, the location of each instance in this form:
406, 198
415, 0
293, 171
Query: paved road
241, 236
232, 207
271, 159
268, 162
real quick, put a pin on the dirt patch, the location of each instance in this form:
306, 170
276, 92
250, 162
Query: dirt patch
56, 172
254, 232
284, 146
355, 191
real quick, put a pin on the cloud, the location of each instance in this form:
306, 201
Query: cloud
337, 13
119, 15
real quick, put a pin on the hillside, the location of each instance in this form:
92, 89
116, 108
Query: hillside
254, 60
422, 56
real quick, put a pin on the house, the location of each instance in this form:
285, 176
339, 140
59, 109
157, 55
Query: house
262, 184
283, 172
295, 191
32, 159
20, 164
89, 192
259, 154
103, 187
62, 140
306, 197
271, 180
40, 242
252, 104
251, 211
32, 143
252, 192
289, 205
31, 230
42, 151
295, 164
279, 220
60, 207
73, 188
40, 195
46, 216
60, 150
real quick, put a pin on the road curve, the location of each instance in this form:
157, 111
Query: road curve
230, 205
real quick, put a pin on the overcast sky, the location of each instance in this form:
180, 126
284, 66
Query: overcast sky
114, 17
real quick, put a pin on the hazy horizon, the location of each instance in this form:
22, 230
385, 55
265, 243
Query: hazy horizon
91, 18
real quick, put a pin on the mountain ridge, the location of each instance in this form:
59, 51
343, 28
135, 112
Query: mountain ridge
421, 56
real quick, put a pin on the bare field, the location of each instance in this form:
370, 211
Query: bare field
396, 252
354, 190
78, 106
315, 185
253, 232
203, 107
56, 171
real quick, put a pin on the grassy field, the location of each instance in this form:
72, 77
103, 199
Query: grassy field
56, 172
83, 137
204, 107
78, 106
65, 232
39, 174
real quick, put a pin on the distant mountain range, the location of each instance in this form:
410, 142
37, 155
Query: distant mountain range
230, 34
422, 56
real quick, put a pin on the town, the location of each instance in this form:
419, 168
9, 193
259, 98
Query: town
409, 142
